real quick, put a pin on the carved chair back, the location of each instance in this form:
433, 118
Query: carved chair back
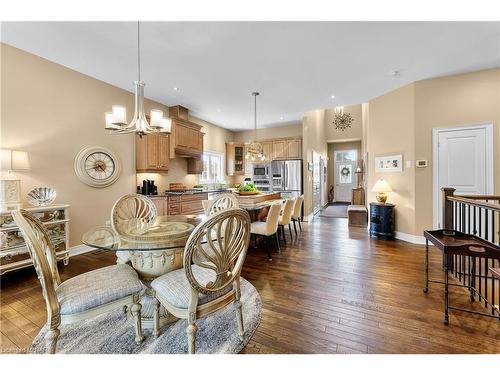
223, 202
43, 256
133, 206
206, 205
286, 216
218, 244
297, 207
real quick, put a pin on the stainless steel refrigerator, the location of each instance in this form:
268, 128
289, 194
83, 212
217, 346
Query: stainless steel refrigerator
287, 177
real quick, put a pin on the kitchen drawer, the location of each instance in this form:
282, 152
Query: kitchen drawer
193, 207
193, 197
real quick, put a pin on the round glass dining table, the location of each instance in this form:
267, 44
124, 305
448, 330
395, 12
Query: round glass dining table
152, 249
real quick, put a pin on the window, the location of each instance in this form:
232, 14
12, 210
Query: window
212, 168
346, 156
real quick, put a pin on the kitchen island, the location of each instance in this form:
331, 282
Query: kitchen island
258, 205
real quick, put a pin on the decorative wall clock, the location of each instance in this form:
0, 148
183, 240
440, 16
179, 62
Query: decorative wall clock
97, 166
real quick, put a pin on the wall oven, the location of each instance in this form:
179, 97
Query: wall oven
262, 177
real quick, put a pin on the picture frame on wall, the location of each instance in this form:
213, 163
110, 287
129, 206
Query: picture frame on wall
389, 163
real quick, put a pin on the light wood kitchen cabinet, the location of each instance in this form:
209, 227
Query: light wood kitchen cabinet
184, 204
152, 153
280, 150
294, 149
235, 159
267, 148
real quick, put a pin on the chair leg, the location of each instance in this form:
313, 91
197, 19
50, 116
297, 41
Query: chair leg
51, 340
238, 305
156, 317
136, 313
282, 228
277, 241
295, 227
269, 256
290, 230
300, 225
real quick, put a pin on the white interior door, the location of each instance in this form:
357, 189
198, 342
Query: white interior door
464, 162
344, 175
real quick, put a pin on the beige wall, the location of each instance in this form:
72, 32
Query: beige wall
53, 112
391, 131
340, 146
313, 139
402, 121
355, 132
290, 131
453, 101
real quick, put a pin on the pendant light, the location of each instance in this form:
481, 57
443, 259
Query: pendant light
116, 121
255, 151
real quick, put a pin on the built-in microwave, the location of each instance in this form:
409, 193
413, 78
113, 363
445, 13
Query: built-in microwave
261, 171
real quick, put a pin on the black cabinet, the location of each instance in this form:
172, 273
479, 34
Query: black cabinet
382, 219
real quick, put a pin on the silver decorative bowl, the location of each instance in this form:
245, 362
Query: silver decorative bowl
42, 196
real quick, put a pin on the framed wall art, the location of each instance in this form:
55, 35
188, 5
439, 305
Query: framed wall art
389, 163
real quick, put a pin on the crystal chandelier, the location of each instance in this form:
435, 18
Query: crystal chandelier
255, 151
116, 121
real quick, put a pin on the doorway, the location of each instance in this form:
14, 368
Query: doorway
344, 174
316, 183
463, 159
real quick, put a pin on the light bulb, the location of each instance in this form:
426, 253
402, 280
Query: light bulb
166, 125
108, 116
119, 115
156, 117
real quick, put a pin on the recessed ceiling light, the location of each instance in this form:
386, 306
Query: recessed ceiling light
218, 110
333, 96
281, 117
176, 89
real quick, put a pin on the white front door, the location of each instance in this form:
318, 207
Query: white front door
464, 162
344, 175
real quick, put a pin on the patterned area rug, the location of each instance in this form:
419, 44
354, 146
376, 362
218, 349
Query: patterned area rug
113, 333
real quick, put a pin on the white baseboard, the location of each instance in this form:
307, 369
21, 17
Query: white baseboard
418, 240
80, 249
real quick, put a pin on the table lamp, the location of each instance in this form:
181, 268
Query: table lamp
10, 184
381, 188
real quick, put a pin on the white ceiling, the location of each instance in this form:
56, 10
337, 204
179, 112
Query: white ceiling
297, 66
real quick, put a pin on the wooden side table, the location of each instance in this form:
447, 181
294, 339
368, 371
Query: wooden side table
382, 220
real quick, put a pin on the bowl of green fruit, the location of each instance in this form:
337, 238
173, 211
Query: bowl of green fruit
248, 189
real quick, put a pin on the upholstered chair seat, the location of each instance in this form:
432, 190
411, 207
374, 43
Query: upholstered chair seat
96, 288
174, 287
268, 228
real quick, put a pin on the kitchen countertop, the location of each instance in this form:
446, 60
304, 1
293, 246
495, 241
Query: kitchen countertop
188, 192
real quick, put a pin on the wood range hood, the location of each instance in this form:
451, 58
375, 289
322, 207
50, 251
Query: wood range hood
186, 138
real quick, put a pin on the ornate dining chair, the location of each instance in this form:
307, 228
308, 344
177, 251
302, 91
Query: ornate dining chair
268, 228
286, 217
296, 217
206, 205
213, 258
130, 207
222, 202
81, 297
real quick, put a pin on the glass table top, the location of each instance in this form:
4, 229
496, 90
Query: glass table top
167, 232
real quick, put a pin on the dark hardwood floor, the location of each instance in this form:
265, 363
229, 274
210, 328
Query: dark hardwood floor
334, 290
